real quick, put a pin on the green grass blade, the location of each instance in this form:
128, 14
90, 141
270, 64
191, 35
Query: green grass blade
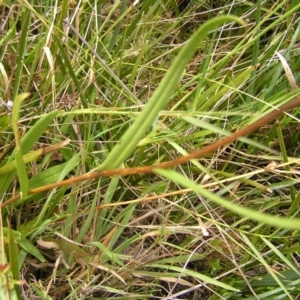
69, 166
21, 168
27, 142
259, 257
29, 157
21, 52
161, 95
14, 260
194, 274
280, 255
31, 249
240, 210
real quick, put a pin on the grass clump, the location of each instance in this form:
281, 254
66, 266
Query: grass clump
88, 87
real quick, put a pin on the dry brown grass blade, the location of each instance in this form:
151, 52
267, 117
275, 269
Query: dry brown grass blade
172, 163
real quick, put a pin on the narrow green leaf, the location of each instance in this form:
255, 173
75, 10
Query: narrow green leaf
195, 274
216, 129
161, 95
29, 157
36, 131
26, 17
21, 168
30, 248
209, 99
280, 255
48, 176
13, 260
68, 167
264, 218
261, 259
107, 252
27, 142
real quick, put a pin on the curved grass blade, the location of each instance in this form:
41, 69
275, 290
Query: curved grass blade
240, 210
159, 99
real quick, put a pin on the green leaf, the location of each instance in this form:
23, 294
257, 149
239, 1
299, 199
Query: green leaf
49, 175
27, 142
31, 249
29, 157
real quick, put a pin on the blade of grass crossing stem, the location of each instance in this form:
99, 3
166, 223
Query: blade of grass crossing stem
21, 169
240, 210
159, 99
71, 165
133, 30
108, 24
110, 254
29, 157
27, 143
217, 130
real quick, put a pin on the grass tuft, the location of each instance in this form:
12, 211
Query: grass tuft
88, 86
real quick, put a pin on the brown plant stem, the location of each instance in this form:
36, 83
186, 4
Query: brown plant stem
172, 163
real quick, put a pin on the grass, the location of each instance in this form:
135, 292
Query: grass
88, 87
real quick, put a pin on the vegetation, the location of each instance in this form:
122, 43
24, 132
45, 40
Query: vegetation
118, 87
